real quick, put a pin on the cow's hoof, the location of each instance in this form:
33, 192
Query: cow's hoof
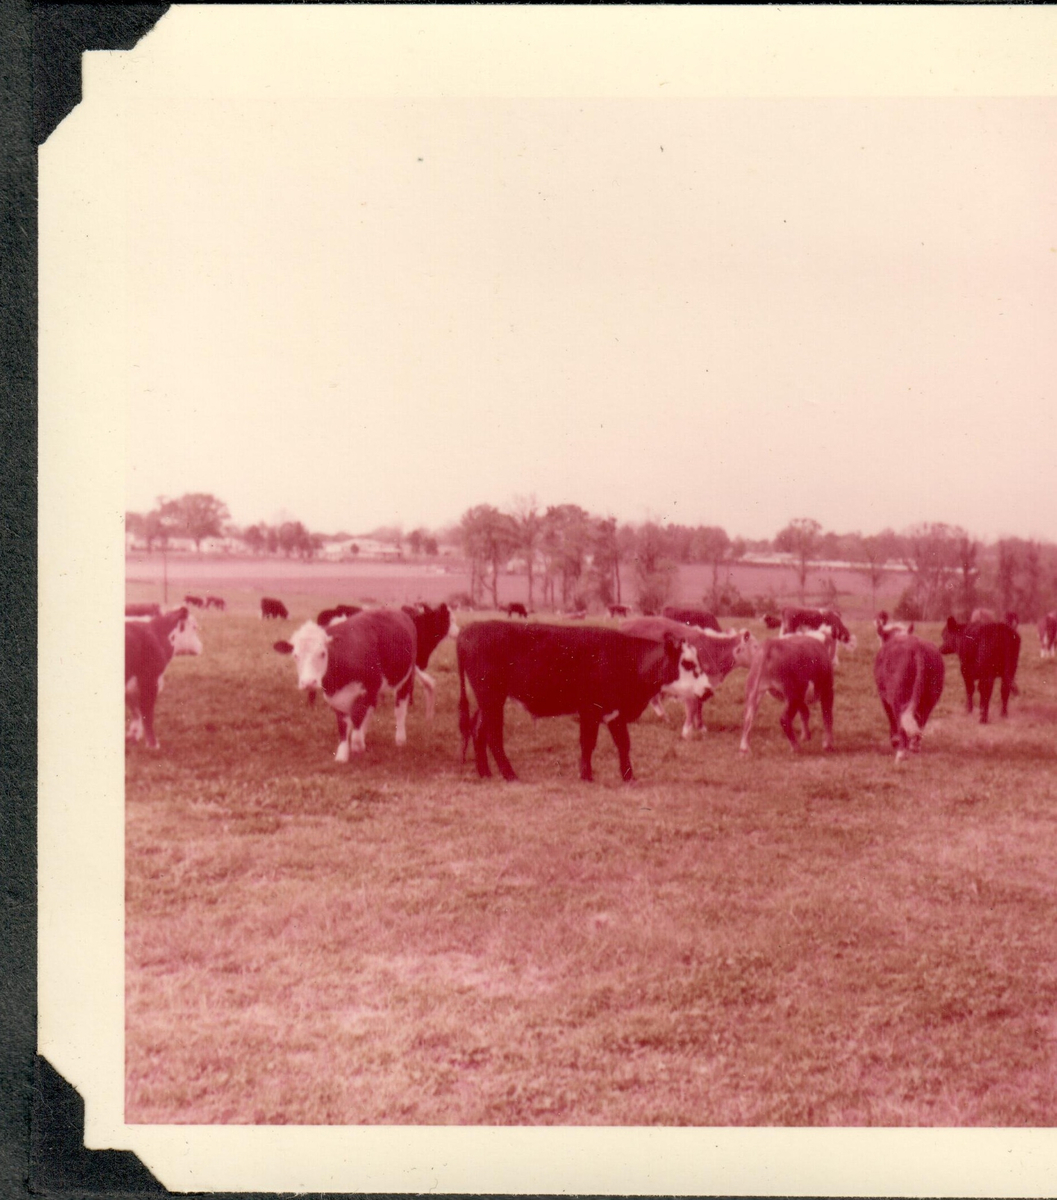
901, 756
342, 753
401, 741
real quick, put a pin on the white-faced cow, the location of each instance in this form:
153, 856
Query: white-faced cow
432, 626
149, 648
601, 675
701, 618
792, 669
909, 677
1048, 635
352, 663
718, 653
986, 652
272, 609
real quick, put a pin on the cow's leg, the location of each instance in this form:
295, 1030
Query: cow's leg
431, 693
148, 694
786, 721
825, 690
618, 730
987, 686
752, 704
480, 744
342, 753
492, 724
589, 722
689, 705
402, 703
969, 685
657, 704
893, 724
359, 719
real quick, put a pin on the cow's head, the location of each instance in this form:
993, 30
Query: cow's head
745, 648
952, 636
184, 637
691, 681
310, 647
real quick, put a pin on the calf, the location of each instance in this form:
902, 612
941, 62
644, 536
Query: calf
602, 675
986, 652
698, 617
1047, 635
149, 648
432, 626
352, 662
338, 613
718, 653
142, 610
787, 667
909, 677
273, 609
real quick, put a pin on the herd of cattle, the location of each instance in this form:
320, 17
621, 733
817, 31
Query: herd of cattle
603, 676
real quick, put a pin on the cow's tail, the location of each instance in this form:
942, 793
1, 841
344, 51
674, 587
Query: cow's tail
466, 722
908, 719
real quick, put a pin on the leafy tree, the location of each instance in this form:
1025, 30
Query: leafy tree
606, 556
489, 537
801, 539
930, 553
875, 552
565, 539
256, 538
654, 570
528, 522
712, 545
196, 515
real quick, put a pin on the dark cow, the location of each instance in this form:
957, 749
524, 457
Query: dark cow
432, 626
602, 675
273, 609
987, 652
515, 610
699, 617
771, 621
618, 610
149, 648
216, 602
909, 677
194, 601
718, 653
789, 668
1048, 635
352, 662
142, 610
338, 613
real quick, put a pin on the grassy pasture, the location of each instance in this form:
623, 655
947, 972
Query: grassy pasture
763, 940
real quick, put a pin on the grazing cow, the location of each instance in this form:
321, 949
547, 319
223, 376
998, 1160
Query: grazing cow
273, 609
909, 677
352, 662
142, 610
338, 613
604, 676
216, 602
718, 653
432, 626
194, 601
987, 652
1048, 635
787, 667
618, 610
699, 617
149, 648
885, 626
771, 621
517, 609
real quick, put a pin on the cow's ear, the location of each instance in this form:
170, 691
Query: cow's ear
283, 648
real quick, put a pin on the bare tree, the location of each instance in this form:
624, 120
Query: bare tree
801, 539
528, 521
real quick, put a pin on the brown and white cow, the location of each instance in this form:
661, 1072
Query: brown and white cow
807, 620
1048, 635
986, 652
794, 668
718, 653
352, 662
909, 677
602, 675
149, 648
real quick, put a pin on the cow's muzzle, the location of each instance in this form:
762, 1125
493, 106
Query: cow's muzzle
311, 693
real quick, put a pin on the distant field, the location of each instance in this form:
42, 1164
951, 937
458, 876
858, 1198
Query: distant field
246, 580
762, 940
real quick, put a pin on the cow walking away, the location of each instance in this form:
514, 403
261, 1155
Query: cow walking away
986, 652
909, 677
352, 663
794, 669
701, 618
149, 648
601, 675
273, 609
1048, 635
718, 653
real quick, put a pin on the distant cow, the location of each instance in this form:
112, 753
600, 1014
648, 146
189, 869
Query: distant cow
275, 609
352, 663
789, 668
142, 610
338, 613
517, 609
909, 677
618, 610
194, 601
987, 652
718, 653
1048, 635
602, 675
216, 602
771, 621
432, 626
699, 617
803, 620
149, 648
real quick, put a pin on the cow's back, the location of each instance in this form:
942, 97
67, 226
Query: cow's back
369, 646
144, 654
990, 649
901, 661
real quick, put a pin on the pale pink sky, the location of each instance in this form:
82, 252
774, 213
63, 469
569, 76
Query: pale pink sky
724, 311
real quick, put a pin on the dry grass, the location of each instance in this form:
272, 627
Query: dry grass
777, 940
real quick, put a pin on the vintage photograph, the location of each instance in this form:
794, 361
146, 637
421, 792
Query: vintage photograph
590, 585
